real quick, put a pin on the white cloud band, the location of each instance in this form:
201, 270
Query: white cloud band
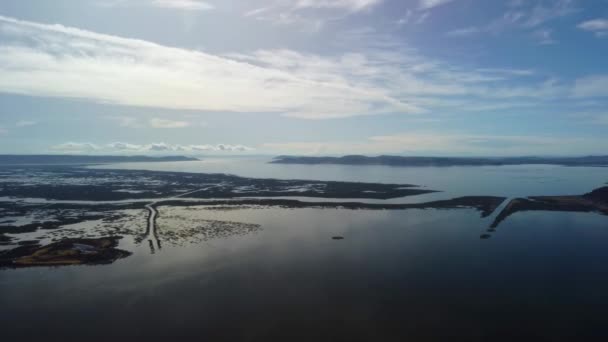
122, 148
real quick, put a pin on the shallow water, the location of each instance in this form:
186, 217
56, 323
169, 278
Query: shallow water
420, 275
509, 181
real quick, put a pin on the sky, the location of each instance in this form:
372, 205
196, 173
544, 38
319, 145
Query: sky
304, 77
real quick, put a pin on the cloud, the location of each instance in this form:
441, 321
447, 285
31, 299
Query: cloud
25, 123
350, 5
131, 122
310, 15
58, 61
591, 86
125, 121
163, 123
121, 146
525, 16
541, 13
420, 14
428, 4
544, 36
185, 5
160, 147
406, 18
463, 32
75, 147
54, 60
3, 130
191, 5
597, 26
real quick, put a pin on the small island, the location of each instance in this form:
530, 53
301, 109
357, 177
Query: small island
63, 253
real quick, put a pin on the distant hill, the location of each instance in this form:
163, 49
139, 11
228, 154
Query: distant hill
443, 161
14, 159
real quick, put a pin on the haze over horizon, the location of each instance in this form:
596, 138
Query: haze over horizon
304, 77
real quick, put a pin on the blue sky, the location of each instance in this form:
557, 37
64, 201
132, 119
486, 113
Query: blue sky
418, 77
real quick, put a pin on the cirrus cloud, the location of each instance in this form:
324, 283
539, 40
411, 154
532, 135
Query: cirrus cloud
428, 4
25, 123
54, 60
164, 123
58, 61
192, 5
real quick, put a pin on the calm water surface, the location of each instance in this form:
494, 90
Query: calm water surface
413, 275
519, 180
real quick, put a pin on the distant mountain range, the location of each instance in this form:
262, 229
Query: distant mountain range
14, 159
443, 161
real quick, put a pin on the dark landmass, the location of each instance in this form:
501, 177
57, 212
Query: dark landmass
35, 198
51, 217
485, 204
443, 161
5, 240
14, 159
595, 201
73, 184
62, 253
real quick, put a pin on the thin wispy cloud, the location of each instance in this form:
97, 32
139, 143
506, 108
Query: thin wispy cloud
591, 86
310, 15
429, 4
125, 121
544, 36
463, 32
191, 5
164, 123
259, 68
182, 5
597, 26
25, 123
54, 60
58, 61
542, 13
350, 5
527, 16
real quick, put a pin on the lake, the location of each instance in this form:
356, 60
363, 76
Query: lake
397, 275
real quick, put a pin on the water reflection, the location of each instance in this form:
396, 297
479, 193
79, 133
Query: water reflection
398, 275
